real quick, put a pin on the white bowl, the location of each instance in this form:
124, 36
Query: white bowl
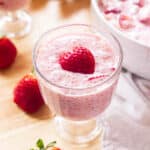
136, 54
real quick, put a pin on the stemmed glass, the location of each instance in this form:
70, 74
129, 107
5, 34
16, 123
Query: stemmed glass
78, 110
14, 22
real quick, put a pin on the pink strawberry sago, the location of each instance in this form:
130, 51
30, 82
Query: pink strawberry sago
12, 5
130, 16
76, 96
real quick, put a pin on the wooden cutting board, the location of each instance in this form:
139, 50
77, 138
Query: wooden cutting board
19, 131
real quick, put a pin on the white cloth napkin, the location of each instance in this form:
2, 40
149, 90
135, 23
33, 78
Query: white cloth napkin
128, 117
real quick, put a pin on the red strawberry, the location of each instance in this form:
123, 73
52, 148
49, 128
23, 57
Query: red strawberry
126, 22
8, 53
79, 60
27, 94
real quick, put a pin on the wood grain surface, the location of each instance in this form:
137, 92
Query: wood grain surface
19, 131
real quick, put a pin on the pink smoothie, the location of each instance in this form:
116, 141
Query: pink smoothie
12, 5
130, 16
77, 96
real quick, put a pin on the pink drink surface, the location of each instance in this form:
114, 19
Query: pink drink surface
11, 5
77, 96
130, 16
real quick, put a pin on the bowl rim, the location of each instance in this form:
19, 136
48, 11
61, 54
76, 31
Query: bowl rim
117, 31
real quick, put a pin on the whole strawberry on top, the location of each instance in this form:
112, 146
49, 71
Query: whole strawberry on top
80, 60
27, 94
8, 53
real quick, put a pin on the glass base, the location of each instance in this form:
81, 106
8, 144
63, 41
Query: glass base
15, 24
78, 132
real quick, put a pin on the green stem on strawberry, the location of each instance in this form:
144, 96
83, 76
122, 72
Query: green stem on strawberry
41, 146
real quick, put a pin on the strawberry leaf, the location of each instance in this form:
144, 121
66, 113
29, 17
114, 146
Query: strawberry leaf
40, 144
51, 144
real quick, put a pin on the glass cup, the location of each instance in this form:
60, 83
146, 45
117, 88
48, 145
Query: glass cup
14, 22
78, 110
